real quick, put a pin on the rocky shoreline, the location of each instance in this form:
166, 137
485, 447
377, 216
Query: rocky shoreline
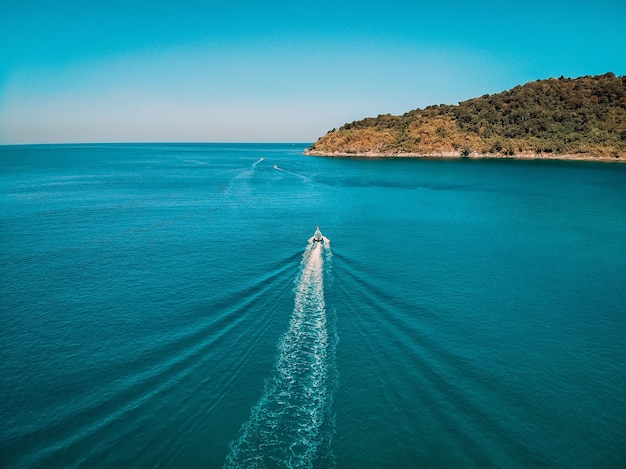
473, 155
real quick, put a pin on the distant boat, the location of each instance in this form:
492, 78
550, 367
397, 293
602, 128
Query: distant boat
318, 235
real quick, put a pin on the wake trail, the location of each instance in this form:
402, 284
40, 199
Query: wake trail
241, 180
248, 172
304, 178
292, 423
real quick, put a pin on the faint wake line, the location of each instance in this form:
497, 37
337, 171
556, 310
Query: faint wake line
304, 178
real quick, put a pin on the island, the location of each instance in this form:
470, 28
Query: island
559, 118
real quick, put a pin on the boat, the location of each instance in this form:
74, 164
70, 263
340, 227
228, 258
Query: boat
317, 237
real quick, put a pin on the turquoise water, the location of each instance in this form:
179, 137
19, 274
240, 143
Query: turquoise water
163, 305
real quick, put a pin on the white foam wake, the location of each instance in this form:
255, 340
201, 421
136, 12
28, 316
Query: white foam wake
304, 178
292, 423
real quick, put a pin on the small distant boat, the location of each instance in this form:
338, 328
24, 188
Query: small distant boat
317, 237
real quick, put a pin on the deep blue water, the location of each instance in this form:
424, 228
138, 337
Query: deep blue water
162, 305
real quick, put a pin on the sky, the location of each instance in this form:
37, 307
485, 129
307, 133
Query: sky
276, 71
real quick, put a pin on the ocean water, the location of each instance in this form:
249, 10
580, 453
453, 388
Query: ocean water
165, 306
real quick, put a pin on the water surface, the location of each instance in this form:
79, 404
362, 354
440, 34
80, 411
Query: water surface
163, 305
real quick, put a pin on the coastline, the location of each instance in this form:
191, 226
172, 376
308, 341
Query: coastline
448, 155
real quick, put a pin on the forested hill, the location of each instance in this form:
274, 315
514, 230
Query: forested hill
581, 117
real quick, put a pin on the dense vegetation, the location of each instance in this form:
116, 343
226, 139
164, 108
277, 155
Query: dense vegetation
586, 116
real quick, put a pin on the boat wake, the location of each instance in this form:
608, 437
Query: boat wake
282, 170
249, 172
292, 424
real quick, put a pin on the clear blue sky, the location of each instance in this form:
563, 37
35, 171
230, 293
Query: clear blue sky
116, 71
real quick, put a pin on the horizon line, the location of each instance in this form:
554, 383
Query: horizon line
157, 143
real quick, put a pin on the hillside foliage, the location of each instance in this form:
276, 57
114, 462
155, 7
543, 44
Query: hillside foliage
585, 115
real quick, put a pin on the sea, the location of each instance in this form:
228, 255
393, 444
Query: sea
166, 305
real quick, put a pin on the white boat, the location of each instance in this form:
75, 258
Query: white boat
317, 237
